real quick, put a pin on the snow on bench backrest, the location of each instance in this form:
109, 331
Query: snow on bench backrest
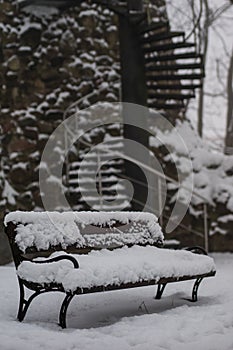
43, 230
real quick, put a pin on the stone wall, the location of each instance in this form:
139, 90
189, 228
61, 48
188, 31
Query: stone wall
49, 59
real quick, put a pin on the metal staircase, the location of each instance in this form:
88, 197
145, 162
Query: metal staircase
101, 168
172, 66
172, 69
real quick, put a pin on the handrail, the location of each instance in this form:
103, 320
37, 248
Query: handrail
146, 167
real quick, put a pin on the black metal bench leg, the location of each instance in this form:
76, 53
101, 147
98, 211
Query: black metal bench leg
23, 303
160, 290
63, 310
195, 288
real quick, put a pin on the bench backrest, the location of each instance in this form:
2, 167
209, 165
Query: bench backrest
33, 234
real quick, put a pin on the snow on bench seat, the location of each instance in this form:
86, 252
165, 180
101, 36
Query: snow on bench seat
120, 266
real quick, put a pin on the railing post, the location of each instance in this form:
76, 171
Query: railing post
100, 181
66, 158
135, 5
160, 202
206, 231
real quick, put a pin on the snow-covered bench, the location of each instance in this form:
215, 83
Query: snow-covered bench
75, 253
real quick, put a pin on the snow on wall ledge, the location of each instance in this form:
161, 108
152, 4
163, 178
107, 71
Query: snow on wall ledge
45, 229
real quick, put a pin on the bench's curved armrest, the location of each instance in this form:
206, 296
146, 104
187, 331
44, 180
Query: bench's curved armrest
197, 250
58, 258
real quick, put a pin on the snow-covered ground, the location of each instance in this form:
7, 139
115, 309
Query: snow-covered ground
124, 319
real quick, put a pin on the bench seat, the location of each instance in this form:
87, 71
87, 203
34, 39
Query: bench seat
117, 267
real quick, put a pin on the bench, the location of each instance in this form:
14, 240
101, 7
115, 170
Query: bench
87, 252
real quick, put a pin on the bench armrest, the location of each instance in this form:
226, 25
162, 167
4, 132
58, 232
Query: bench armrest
197, 250
59, 258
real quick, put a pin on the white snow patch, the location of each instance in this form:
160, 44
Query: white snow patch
209, 168
127, 319
124, 265
45, 229
9, 193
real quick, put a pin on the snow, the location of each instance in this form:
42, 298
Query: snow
126, 319
124, 265
45, 234
9, 193
45, 229
28, 25
85, 217
230, 204
210, 170
41, 11
225, 218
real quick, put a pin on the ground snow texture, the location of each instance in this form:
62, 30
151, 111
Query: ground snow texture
129, 319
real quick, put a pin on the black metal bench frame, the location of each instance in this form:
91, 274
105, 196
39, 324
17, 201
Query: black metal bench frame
38, 289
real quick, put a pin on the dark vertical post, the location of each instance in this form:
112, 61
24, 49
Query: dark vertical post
135, 5
134, 91
229, 129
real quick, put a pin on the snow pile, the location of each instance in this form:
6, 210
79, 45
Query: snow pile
212, 171
45, 229
45, 234
124, 265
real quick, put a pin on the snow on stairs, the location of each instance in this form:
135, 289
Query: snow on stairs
94, 177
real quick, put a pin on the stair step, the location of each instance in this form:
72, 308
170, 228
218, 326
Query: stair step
113, 188
173, 57
161, 96
116, 198
111, 146
113, 138
104, 167
91, 164
177, 77
101, 155
124, 204
73, 193
114, 207
162, 36
167, 47
175, 86
153, 26
165, 106
92, 172
167, 67
110, 179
